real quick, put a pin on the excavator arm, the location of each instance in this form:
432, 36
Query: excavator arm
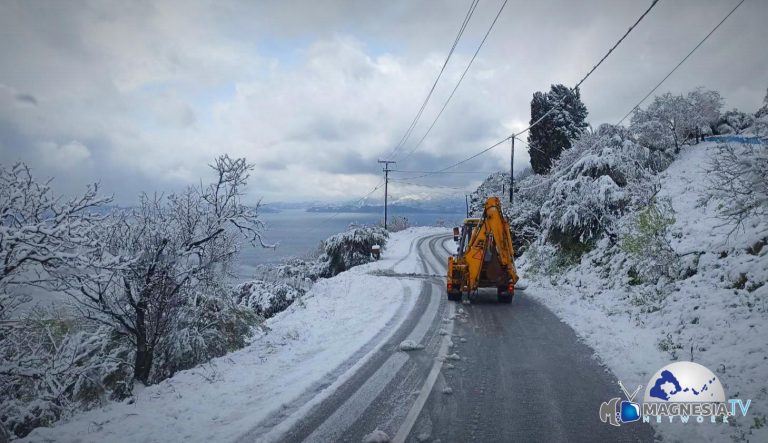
486, 257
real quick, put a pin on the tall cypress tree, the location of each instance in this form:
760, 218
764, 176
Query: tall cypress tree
554, 134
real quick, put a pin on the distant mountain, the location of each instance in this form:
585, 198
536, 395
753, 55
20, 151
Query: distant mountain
423, 207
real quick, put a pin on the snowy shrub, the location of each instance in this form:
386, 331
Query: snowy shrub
53, 366
209, 325
398, 223
599, 179
737, 179
351, 248
525, 215
540, 259
734, 122
645, 240
267, 298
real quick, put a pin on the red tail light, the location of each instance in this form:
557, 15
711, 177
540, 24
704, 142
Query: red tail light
511, 288
450, 286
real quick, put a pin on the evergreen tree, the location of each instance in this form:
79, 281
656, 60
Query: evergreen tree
558, 129
762, 112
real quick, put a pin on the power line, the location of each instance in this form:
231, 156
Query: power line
642, 16
482, 42
408, 132
516, 135
679, 64
617, 43
444, 172
461, 161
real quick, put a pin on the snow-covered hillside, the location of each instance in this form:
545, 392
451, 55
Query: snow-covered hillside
298, 348
708, 305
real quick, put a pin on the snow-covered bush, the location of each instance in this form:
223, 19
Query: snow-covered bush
351, 248
734, 122
645, 240
594, 183
267, 298
398, 223
53, 365
737, 179
209, 325
39, 231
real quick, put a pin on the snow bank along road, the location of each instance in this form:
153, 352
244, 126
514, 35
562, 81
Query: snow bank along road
330, 368
487, 372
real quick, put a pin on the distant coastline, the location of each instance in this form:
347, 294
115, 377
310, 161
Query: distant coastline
380, 209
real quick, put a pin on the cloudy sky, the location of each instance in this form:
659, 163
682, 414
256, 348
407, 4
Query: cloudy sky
141, 95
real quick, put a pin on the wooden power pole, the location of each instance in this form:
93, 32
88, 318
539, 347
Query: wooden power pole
512, 173
386, 186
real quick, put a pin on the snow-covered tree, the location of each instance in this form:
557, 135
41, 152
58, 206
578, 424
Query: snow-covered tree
664, 125
558, 129
704, 111
734, 122
737, 178
39, 231
398, 223
523, 215
673, 120
593, 184
154, 262
763, 111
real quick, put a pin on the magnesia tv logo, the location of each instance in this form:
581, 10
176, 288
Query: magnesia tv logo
681, 392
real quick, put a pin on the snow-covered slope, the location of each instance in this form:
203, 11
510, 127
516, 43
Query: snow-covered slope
299, 348
714, 314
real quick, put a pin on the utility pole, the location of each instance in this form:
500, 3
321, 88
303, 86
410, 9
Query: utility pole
386, 185
466, 202
512, 173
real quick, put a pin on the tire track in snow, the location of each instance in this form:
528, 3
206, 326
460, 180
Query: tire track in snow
366, 372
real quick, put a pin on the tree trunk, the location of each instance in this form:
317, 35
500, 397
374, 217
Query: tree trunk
5, 436
144, 352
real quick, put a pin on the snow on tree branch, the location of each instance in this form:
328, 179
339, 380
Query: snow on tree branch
39, 231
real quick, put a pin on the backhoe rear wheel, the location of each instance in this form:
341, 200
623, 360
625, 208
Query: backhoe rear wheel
454, 295
503, 295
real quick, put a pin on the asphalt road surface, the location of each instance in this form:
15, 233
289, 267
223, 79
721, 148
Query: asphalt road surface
488, 372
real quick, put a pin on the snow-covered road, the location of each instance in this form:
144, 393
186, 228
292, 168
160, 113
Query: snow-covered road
306, 353
488, 372
387, 391
332, 368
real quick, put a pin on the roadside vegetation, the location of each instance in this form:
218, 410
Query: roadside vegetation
147, 289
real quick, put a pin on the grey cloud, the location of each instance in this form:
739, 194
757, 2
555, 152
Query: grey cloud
324, 88
28, 99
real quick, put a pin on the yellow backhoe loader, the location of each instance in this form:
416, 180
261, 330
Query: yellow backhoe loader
484, 256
